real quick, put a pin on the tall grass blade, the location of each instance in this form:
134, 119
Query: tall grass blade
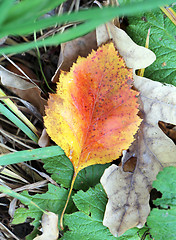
93, 18
29, 155
6, 112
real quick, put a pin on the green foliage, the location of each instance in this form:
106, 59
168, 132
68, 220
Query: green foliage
87, 223
144, 234
53, 200
31, 21
162, 43
162, 221
61, 169
24, 199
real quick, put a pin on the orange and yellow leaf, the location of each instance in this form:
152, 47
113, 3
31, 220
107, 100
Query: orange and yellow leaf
93, 115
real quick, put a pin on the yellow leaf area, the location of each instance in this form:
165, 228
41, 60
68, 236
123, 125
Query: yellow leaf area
93, 115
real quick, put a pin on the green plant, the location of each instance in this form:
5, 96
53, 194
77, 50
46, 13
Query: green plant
26, 21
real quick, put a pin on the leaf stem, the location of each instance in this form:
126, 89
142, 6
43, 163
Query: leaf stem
68, 198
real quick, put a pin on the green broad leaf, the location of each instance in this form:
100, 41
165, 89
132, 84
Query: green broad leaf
29, 155
61, 169
163, 221
53, 200
162, 224
87, 223
166, 184
161, 42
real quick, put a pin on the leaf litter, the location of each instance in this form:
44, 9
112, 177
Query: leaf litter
128, 193
144, 140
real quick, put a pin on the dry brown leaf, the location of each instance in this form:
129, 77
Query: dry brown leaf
44, 140
169, 130
49, 226
11, 79
128, 193
22, 87
70, 51
135, 56
128, 204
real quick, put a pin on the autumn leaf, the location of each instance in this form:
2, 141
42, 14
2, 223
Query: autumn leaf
94, 113
128, 192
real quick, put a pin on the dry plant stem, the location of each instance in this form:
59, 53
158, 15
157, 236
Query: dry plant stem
8, 148
16, 110
19, 69
11, 136
44, 175
68, 198
40, 65
28, 187
13, 235
141, 71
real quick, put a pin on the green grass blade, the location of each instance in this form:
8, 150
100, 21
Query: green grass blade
29, 155
28, 9
5, 7
15, 110
97, 16
25, 200
6, 112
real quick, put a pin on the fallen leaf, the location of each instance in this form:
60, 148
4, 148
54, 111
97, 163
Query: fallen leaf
12, 79
135, 56
94, 111
22, 87
49, 227
128, 192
